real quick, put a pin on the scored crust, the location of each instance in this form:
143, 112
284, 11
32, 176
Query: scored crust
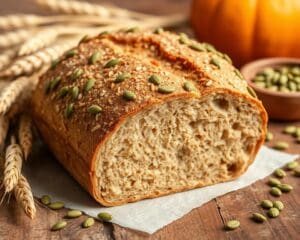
76, 140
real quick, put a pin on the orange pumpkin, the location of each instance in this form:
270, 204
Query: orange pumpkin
249, 29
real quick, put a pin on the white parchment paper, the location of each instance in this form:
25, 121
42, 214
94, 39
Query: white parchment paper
47, 176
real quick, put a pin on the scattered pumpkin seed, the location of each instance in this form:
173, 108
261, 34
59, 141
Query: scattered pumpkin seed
56, 205
158, 30
232, 224
75, 92
183, 38
275, 191
59, 225
94, 109
63, 92
76, 74
297, 172
269, 136
89, 85
166, 89
129, 95
258, 217
54, 83
266, 204
70, 53
47, 87
188, 86
238, 73
69, 110
121, 77
251, 91
290, 129
280, 173
154, 79
105, 216
281, 145
197, 47
46, 199
273, 212
209, 47
88, 222
111, 63
273, 182
132, 30
215, 62
285, 187
54, 63
103, 33
279, 205
73, 214
94, 57
84, 39
291, 165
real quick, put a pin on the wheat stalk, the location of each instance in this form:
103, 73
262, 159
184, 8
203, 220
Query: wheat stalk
11, 92
24, 197
13, 38
4, 125
18, 21
41, 39
25, 134
6, 57
31, 63
12, 166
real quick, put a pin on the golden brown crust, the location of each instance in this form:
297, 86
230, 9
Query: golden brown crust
141, 54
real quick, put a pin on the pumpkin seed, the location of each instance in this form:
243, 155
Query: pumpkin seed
103, 33
273, 182
158, 30
283, 80
54, 83
259, 218
227, 58
266, 204
128, 95
188, 86
279, 205
209, 47
285, 187
89, 85
46, 199
70, 53
69, 110
94, 109
94, 57
111, 63
73, 214
56, 205
297, 133
154, 79
84, 39
47, 87
88, 222
132, 30
281, 145
54, 63
290, 129
215, 62
275, 191
183, 38
297, 172
273, 212
59, 225
121, 77
63, 92
251, 92
238, 73
291, 165
166, 89
75, 92
232, 224
105, 216
280, 173
76, 74
197, 47
269, 136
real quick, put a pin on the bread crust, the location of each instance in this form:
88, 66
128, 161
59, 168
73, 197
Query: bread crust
75, 145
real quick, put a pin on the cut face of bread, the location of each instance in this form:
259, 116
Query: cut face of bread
180, 144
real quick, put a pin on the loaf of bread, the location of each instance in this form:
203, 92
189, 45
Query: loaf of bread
139, 114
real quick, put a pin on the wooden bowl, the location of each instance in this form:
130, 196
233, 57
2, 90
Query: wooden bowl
281, 106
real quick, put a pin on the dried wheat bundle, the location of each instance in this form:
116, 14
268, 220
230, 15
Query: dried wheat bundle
13, 38
12, 166
25, 134
41, 39
11, 92
24, 197
7, 57
31, 63
18, 21
4, 125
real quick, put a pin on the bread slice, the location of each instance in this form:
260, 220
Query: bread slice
181, 118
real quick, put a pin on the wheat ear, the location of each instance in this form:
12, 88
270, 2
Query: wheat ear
18, 21
12, 166
13, 38
7, 57
4, 125
24, 197
25, 134
31, 63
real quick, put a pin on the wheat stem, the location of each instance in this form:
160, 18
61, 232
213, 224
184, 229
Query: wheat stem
4, 125
25, 134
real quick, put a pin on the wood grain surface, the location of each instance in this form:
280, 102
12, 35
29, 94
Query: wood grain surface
205, 222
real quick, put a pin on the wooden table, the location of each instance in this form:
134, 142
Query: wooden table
205, 222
